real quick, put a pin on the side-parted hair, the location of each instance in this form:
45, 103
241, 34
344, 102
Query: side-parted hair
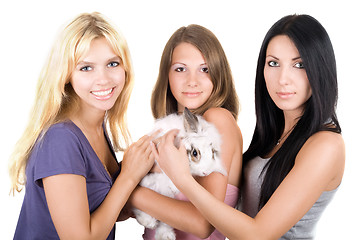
223, 95
55, 98
317, 54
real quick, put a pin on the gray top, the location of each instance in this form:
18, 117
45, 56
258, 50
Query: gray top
250, 194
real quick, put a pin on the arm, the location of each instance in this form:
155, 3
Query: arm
160, 206
66, 196
320, 161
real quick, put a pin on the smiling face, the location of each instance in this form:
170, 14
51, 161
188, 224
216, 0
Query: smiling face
98, 78
285, 75
189, 78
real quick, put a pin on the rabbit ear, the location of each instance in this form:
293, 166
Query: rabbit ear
190, 121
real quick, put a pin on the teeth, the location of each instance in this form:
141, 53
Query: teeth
102, 93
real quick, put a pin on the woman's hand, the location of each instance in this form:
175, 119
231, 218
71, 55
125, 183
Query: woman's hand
173, 161
138, 158
156, 168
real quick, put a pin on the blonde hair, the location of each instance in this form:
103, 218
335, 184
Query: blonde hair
223, 95
55, 99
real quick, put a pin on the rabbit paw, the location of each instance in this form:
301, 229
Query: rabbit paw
145, 219
165, 232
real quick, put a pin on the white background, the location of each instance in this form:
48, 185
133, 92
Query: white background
28, 28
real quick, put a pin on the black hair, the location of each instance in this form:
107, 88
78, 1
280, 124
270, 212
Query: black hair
317, 54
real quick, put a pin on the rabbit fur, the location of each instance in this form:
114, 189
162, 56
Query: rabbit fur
202, 142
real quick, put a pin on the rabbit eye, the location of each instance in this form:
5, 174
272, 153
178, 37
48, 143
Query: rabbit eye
194, 154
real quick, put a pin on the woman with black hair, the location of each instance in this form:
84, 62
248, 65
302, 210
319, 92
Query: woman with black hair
296, 158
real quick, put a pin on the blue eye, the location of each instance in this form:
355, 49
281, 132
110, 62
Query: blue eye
299, 65
273, 64
86, 69
113, 64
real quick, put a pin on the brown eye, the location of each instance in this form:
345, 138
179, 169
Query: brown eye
194, 154
205, 70
180, 69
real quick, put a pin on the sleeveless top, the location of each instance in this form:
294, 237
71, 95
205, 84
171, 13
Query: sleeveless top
250, 196
231, 199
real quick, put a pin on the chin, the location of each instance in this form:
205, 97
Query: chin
106, 107
193, 106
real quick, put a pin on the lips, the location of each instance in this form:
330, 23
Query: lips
103, 94
285, 95
191, 94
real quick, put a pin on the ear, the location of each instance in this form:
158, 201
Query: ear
190, 121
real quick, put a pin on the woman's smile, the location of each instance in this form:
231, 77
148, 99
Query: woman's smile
103, 94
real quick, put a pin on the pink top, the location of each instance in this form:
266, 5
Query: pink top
230, 199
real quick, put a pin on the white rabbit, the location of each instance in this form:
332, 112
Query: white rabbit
202, 141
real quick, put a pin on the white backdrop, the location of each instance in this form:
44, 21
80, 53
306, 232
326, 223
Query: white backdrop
28, 29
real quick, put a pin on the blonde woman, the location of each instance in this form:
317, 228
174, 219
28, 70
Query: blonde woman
65, 158
194, 73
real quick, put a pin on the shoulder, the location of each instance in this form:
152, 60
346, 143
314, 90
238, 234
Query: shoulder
219, 115
324, 151
326, 142
224, 122
63, 134
63, 129
60, 151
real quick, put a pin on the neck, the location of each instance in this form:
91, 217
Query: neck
285, 134
291, 118
290, 124
89, 122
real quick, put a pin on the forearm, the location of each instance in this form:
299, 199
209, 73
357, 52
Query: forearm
103, 219
126, 213
183, 215
229, 221
67, 201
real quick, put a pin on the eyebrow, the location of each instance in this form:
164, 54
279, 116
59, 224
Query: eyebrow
272, 57
109, 60
185, 64
295, 58
178, 63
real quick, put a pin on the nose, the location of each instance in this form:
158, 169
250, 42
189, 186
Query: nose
102, 77
284, 76
192, 80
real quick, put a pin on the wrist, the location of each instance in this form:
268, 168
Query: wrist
182, 183
127, 180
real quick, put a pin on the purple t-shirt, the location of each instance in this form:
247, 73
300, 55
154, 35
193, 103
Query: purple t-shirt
64, 149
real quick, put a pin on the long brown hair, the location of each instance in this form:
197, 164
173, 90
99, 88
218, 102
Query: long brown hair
223, 95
